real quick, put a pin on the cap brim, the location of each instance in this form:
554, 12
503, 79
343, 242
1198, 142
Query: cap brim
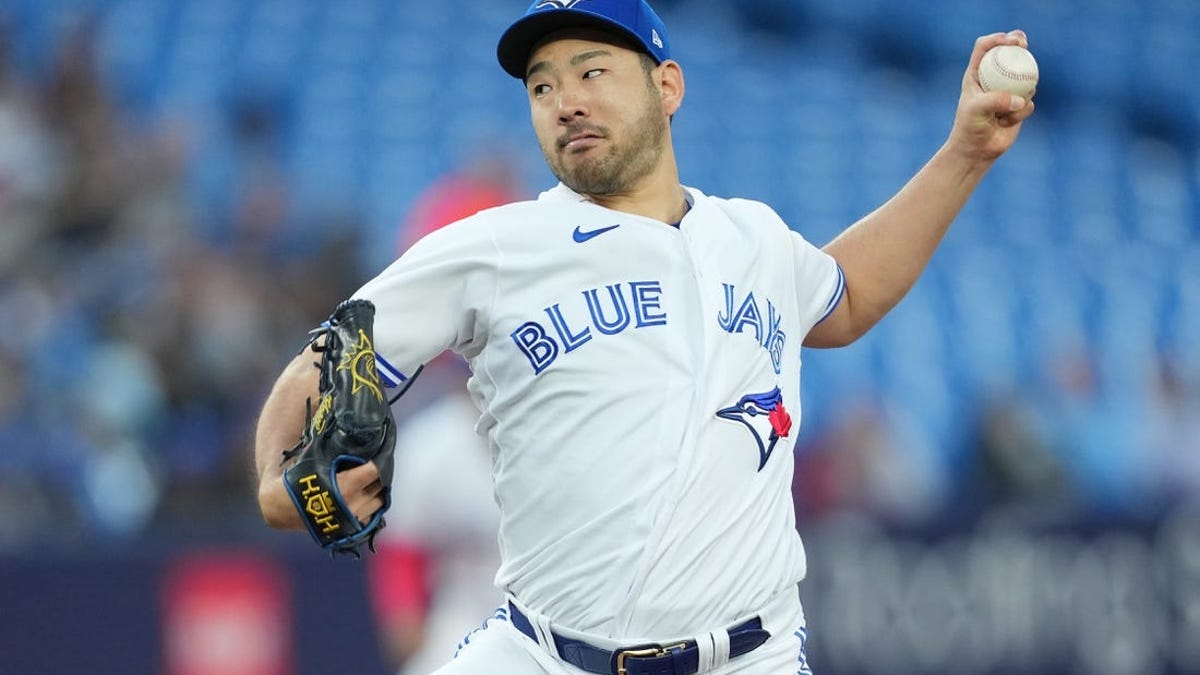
516, 44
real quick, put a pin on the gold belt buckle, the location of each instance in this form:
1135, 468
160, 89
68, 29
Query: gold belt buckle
647, 652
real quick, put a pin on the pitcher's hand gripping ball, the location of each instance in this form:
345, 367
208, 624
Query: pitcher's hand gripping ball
351, 426
1010, 68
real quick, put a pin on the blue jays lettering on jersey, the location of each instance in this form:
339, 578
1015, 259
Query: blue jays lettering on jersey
636, 375
635, 303
747, 314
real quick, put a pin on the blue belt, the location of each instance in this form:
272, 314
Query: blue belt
682, 658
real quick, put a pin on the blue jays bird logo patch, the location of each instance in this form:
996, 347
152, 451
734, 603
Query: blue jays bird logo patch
751, 406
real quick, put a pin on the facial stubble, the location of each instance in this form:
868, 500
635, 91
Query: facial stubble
624, 164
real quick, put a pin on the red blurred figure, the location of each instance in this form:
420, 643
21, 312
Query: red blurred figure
485, 183
432, 580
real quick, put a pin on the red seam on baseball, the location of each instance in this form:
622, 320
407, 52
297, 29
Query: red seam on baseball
1008, 73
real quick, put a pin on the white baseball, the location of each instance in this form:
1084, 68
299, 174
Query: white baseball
1009, 68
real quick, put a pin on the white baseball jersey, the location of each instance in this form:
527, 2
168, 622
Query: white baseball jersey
639, 386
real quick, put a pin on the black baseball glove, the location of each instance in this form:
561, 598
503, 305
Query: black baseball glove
352, 425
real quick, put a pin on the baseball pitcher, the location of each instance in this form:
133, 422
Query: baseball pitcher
635, 358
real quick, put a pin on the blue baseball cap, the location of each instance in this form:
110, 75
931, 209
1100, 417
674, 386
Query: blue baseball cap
631, 18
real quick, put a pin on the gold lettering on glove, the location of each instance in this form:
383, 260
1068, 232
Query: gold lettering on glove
319, 504
359, 359
321, 416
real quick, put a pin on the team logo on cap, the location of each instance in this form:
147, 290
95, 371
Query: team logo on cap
558, 4
769, 405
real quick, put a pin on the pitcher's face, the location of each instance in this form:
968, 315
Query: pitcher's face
597, 113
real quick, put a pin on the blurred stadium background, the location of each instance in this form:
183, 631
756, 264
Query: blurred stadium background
1002, 477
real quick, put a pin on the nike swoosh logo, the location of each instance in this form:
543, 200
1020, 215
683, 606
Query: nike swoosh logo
581, 236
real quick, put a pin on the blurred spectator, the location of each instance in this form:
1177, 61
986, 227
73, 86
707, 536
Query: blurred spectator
1092, 430
123, 405
27, 167
1013, 471
21, 491
261, 214
91, 139
868, 461
1172, 431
